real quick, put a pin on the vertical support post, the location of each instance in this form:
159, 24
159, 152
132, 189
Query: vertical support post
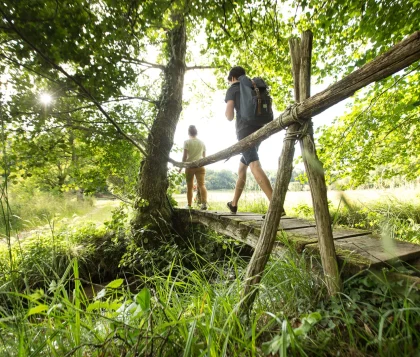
270, 226
316, 177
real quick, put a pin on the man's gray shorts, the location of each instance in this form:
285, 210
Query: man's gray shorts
250, 155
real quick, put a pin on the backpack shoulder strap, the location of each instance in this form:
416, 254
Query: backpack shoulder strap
257, 91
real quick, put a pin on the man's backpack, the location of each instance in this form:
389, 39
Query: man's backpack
255, 101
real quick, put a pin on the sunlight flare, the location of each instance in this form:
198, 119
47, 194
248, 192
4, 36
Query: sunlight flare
45, 98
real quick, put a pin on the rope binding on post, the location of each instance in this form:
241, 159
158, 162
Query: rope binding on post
305, 125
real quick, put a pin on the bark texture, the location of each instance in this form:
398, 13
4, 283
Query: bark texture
152, 205
398, 57
270, 226
316, 178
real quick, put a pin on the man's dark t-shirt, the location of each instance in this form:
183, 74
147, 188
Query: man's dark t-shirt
242, 128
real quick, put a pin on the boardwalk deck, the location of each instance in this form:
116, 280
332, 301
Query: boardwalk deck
357, 249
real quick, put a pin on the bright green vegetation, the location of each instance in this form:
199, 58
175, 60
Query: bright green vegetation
31, 208
391, 219
189, 305
108, 67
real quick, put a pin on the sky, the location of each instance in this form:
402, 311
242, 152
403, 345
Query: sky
206, 110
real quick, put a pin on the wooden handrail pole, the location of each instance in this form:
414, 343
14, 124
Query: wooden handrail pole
316, 178
402, 55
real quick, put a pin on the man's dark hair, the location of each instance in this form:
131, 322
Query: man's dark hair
192, 130
236, 72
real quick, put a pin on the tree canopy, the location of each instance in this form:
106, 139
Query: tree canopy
104, 64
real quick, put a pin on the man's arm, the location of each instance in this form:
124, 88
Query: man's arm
184, 158
230, 106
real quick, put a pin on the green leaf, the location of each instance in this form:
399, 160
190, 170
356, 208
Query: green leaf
143, 299
115, 284
37, 309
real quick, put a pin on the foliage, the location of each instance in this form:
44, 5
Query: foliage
45, 257
378, 139
195, 309
220, 180
67, 144
31, 207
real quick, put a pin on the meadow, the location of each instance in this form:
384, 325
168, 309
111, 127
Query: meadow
218, 198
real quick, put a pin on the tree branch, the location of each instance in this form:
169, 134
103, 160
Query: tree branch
189, 68
144, 63
79, 84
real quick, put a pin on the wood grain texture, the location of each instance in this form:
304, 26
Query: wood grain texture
316, 178
356, 249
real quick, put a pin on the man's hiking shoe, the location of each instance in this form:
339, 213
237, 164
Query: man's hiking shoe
204, 206
233, 209
283, 213
188, 207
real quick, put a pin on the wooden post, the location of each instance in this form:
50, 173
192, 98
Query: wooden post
315, 172
301, 67
270, 226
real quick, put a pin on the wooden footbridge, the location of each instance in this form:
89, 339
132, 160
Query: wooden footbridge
332, 245
356, 249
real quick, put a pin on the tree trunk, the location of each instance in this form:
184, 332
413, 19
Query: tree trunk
152, 205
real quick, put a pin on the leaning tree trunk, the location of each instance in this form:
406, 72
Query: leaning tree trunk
152, 205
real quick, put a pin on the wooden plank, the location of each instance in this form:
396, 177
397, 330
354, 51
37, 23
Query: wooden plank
238, 214
231, 228
303, 236
287, 224
382, 251
368, 251
356, 249
339, 233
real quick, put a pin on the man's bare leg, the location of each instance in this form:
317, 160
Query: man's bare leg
261, 179
240, 183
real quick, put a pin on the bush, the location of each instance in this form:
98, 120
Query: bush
42, 258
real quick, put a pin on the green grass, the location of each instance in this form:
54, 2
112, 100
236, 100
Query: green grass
33, 209
188, 302
194, 312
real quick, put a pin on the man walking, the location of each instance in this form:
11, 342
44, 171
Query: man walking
250, 156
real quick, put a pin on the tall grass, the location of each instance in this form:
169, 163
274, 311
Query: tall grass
190, 308
32, 208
